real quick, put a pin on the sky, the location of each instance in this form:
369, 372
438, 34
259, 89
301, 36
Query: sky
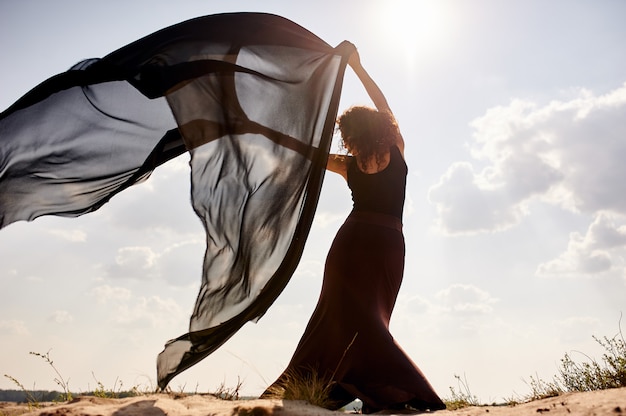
513, 115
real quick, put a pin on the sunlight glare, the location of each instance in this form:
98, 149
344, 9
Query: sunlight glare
415, 27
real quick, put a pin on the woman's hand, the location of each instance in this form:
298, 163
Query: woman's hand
345, 48
348, 48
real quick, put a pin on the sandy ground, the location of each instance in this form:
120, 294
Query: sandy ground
604, 402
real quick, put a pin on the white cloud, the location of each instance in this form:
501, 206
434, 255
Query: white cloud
466, 299
598, 252
13, 326
106, 293
61, 317
467, 202
567, 153
179, 263
324, 219
160, 204
416, 305
76, 236
128, 310
577, 321
576, 329
135, 257
134, 262
457, 299
152, 311
459, 311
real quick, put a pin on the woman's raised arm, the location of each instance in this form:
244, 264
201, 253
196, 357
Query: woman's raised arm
373, 90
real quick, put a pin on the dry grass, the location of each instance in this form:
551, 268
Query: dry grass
587, 375
308, 386
573, 376
461, 397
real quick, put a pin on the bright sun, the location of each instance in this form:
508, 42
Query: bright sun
415, 27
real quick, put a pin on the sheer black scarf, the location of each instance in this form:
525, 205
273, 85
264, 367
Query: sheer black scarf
253, 97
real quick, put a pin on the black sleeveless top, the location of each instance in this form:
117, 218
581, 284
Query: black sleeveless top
381, 192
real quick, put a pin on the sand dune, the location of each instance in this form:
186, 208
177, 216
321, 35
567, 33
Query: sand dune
603, 402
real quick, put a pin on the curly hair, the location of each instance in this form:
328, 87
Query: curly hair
367, 132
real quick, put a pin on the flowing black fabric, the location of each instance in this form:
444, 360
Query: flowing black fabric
253, 97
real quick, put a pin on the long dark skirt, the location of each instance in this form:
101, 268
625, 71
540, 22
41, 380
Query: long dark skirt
347, 339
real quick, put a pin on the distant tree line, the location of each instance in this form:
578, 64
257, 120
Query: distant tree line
21, 396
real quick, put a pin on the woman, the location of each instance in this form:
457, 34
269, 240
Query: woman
347, 344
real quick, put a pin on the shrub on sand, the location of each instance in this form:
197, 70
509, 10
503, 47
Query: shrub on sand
609, 373
573, 376
462, 397
308, 386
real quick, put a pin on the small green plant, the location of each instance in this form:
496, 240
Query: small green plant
64, 384
101, 392
512, 400
30, 399
462, 397
227, 393
609, 373
573, 376
540, 389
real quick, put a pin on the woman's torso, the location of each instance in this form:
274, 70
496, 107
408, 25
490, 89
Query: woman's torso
383, 191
